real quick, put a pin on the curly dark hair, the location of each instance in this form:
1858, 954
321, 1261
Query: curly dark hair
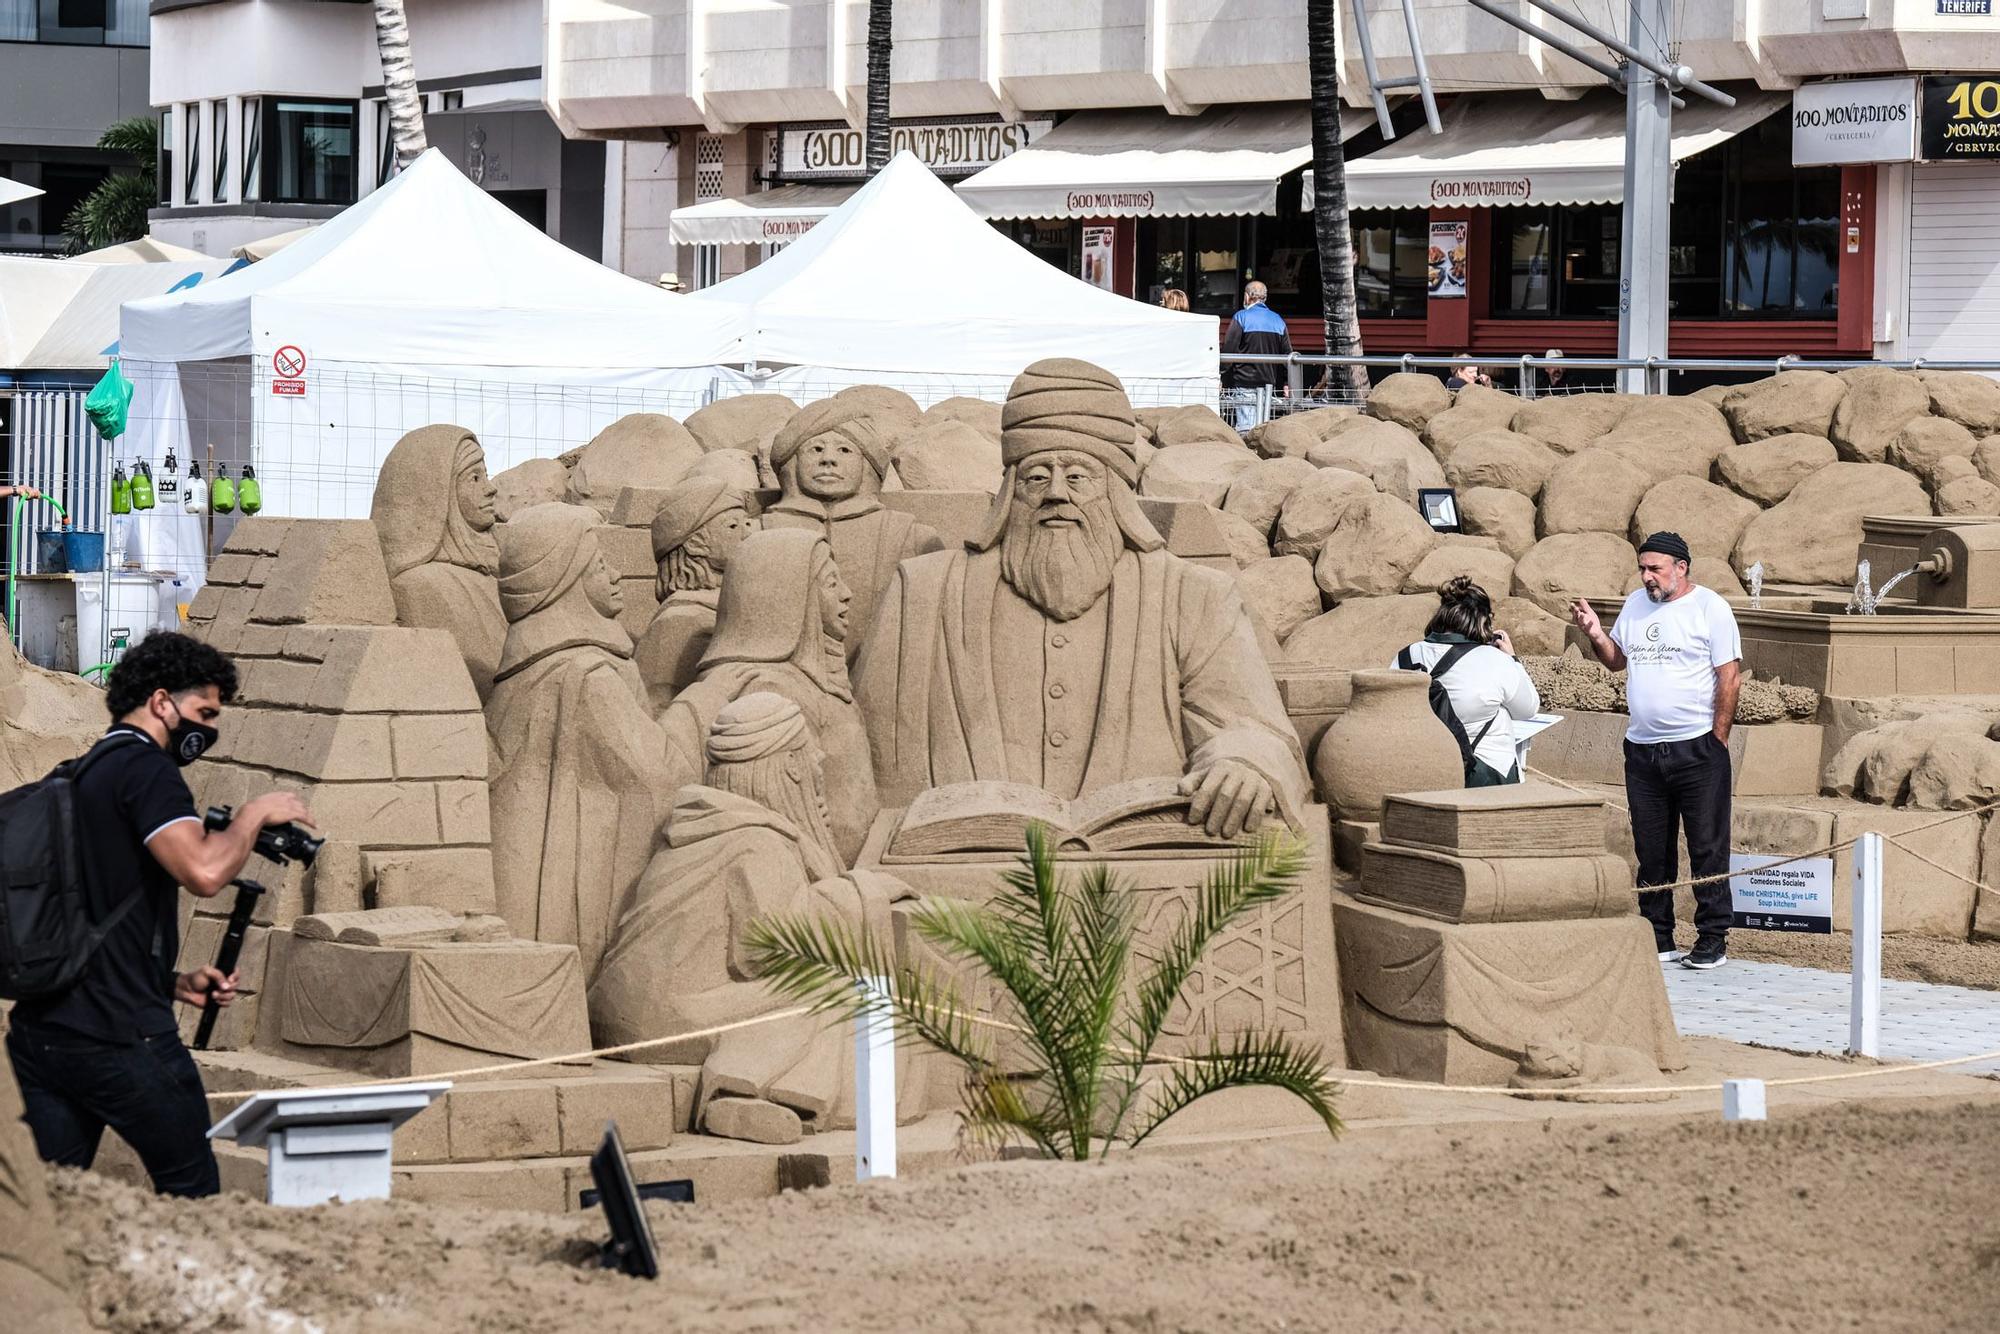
1463, 609
170, 662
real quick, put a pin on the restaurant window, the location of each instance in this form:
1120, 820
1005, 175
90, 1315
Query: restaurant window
308, 152
75, 22
1203, 257
1055, 241
1557, 261
1390, 248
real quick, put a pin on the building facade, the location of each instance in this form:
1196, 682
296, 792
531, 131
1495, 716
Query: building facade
1128, 155
67, 71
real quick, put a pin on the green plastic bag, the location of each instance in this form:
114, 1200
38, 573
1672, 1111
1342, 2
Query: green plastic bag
108, 403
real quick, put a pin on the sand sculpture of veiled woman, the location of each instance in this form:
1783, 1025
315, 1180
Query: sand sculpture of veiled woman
433, 512
578, 776
749, 842
781, 625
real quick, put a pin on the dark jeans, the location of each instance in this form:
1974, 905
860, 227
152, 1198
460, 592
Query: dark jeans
148, 1091
1673, 786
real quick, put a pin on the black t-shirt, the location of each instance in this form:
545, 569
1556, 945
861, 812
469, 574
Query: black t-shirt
130, 792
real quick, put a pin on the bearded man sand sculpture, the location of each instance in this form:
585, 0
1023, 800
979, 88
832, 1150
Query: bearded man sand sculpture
1066, 648
749, 841
693, 535
579, 763
782, 623
830, 460
433, 511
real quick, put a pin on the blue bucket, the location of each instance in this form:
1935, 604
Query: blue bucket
49, 556
83, 553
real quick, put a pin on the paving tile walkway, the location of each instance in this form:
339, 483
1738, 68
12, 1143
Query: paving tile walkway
1804, 1009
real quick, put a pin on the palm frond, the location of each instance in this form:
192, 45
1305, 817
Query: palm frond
138, 136
994, 1112
1254, 1059
114, 212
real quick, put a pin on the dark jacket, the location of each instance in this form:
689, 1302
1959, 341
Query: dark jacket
1255, 329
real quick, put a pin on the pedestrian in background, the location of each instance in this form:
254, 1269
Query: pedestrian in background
1465, 371
1678, 646
1259, 330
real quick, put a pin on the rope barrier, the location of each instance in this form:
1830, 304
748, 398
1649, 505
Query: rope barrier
1960, 876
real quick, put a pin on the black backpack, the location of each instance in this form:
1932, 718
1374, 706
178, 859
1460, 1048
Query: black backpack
46, 931
1441, 702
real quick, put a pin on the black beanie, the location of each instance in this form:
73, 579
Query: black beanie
1671, 545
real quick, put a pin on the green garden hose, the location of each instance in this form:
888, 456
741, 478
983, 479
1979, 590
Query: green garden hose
20, 554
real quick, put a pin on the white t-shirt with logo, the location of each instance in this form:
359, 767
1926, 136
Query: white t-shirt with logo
1671, 652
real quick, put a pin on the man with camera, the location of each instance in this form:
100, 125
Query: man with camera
106, 1051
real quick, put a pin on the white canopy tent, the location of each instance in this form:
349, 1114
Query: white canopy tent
428, 301
903, 285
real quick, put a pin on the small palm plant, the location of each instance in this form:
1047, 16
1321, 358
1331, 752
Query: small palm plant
1062, 952
116, 211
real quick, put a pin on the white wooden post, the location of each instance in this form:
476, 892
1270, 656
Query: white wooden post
1864, 1015
875, 1085
1743, 1100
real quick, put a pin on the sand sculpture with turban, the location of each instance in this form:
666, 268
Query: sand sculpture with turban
578, 763
749, 841
693, 536
1066, 648
433, 511
781, 625
830, 459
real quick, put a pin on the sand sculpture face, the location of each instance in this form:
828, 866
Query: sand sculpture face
834, 595
603, 590
829, 468
1062, 536
474, 490
434, 503
698, 562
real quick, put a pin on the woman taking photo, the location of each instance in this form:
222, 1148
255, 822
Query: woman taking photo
1487, 688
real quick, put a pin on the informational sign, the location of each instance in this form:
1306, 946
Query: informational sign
1961, 118
1862, 120
1797, 896
1964, 8
1448, 260
1100, 245
947, 147
288, 371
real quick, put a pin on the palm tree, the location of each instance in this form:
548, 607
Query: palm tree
1330, 223
1061, 951
881, 14
399, 82
116, 211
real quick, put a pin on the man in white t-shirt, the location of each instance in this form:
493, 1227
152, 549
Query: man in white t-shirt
1678, 646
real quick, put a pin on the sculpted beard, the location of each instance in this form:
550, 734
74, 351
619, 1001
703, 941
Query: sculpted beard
1063, 569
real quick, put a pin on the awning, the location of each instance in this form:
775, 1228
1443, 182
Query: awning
266, 246
1147, 164
771, 217
1521, 149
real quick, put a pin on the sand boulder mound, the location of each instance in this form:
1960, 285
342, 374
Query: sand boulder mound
1812, 535
1591, 492
1291, 435
1783, 404
1367, 632
1767, 470
1257, 494
1315, 508
1567, 423
1409, 398
45, 718
1941, 762
1193, 424
1508, 517
1558, 570
1715, 572
746, 422
1709, 517
1200, 471
1474, 409
1968, 495
1879, 402
1474, 557
945, 454
644, 449
736, 467
1246, 545
1387, 454
1280, 589
535, 482
1373, 548
1531, 629
1986, 459
1924, 441
1966, 397
977, 413
1501, 459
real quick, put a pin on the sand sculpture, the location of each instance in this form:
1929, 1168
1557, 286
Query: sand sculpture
34, 1272
433, 513
782, 623
579, 764
830, 459
1387, 741
45, 717
751, 840
696, 529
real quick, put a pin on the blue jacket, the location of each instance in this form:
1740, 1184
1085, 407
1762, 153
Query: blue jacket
1257, 329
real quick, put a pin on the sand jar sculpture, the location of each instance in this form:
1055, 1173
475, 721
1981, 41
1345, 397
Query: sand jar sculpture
749, 841
830, 460
433, 512
697, 528
1387, 741
781, 625
579, 768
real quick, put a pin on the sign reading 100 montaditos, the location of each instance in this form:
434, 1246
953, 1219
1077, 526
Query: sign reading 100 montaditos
947, 147
1961, 120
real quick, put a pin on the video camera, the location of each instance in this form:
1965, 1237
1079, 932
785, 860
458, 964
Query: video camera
280, 843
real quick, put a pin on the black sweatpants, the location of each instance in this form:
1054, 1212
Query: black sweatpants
1673, 786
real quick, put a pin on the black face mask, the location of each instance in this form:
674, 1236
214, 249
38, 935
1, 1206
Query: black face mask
188, 739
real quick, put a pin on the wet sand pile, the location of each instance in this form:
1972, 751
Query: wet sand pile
1857, 1217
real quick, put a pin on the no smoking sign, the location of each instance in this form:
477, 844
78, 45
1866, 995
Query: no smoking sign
288, 364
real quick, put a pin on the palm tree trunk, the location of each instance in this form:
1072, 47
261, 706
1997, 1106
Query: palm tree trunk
881, 14
399, 81
1336, 240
